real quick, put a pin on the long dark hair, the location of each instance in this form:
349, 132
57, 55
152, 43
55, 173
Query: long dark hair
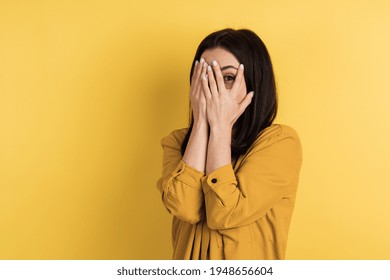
249, 50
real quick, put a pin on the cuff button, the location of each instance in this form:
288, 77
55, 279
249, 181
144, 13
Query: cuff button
214, 180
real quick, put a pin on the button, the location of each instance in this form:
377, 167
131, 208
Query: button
214, 180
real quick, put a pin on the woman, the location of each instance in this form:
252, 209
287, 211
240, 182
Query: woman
230, 179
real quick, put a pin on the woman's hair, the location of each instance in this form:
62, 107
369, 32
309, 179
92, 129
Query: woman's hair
249, 50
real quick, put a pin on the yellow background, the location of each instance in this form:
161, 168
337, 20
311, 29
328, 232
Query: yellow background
88, 88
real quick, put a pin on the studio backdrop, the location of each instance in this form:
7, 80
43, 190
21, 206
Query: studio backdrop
88, 89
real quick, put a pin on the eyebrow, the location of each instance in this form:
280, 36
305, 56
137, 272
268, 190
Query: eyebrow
227, 67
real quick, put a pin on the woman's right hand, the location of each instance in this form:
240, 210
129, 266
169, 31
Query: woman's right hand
198, 100
195, 154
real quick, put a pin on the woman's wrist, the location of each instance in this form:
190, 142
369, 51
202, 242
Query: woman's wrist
200, 124
221, 129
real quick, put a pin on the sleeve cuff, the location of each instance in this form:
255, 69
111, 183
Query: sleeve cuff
220, 179
188, 175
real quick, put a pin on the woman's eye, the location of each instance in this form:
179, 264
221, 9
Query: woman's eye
229, 79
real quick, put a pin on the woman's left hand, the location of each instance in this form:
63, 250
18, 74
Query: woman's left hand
224, 106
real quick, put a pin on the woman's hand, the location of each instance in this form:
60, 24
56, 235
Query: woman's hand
197, 97
224, 107
195, 154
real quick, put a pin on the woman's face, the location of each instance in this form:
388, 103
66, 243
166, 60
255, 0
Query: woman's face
229, 66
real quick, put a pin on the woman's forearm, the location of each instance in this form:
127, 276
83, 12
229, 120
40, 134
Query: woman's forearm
219, 148
195, 154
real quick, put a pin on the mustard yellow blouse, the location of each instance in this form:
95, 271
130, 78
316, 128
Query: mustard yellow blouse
240, 211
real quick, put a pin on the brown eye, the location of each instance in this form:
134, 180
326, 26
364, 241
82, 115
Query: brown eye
229, 78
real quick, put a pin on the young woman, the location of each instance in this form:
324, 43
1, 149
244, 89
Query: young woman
230, 179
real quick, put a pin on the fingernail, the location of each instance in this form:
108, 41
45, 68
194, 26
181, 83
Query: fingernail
201, 60
209, 68
215, 63
241, 66
205, 77
196, 62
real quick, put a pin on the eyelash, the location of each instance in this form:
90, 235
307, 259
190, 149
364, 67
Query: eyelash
229, 78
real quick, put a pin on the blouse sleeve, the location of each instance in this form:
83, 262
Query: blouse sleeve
180, 185
268, 173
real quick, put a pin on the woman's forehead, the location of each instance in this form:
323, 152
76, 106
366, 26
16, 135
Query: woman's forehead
222, 56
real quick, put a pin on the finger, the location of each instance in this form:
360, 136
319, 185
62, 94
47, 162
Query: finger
205, 86
197, 70
239, 80
194, 71
218, 77
212, 82
197, 86
203, 80
245, 103
203, 72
